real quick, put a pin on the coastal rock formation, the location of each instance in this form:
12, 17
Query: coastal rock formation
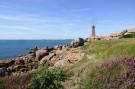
61, 63
56, 56
41, 53
59, 55
77, 42
6, 63
19, 61
3, 71
47, 58
58, 47
122, 33
69, 57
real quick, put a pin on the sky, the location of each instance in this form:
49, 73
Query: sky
64, 19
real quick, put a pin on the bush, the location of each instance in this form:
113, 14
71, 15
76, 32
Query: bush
116, 74
48, 79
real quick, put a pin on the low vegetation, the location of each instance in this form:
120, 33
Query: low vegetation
106, 65
113, 74
15, 82
48, 79
44, 78
112, 48
129, 36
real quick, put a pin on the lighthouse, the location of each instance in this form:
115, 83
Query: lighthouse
93, 31
94, 36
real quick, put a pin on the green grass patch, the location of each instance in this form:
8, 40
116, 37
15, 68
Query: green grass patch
112, 48
48, 79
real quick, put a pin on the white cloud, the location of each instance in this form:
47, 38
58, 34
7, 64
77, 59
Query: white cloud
75, 10
8, 17
17, 24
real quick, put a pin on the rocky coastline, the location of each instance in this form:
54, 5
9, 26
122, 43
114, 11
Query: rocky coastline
53, 57
59, 55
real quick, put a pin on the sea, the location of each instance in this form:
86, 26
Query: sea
14, 48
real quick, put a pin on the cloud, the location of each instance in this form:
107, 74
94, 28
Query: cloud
32, 0
40, 19
8, 17
23, 24
36, 19
76, 10
34, 25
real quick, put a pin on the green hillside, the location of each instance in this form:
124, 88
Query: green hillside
106, 65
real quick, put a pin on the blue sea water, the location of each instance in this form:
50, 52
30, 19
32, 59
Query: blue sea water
13, 48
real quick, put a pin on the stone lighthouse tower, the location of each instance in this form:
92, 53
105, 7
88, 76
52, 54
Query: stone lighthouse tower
93, 31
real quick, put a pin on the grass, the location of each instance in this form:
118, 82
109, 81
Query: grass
114, 74
48, 79
98, 53
107, 49
15, 82
43, 78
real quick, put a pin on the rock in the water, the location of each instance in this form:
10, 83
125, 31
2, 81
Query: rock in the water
33, 50
41, 53
77, 42
47, 58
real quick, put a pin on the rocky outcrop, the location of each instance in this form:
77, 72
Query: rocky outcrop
56, 56
3, 71
68, 57
47, 58
77, 42
61, 63
122, 33
6, 63
58, 47
41, 53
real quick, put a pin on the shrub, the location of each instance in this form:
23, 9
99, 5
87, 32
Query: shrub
116, 74
48, 79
